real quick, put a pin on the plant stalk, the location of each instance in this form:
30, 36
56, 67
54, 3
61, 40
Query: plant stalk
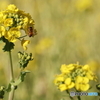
78, 97
69, 95
11, 94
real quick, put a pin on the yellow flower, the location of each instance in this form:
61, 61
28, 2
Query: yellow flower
2, 31
82, 5
62, 87
90, 75
82, 87
31, 21
1, 16
25, 20
8, 22
86, 67
70, 67
12, 21
75, 76
69, 83
94, 65
58, 79
12, 34
24, 43
72, 84
81, 83
66, 68
12, 8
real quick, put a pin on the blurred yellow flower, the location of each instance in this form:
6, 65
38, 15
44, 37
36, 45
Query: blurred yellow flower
24, 43
43, 44
91, 75
82, 5
94, 65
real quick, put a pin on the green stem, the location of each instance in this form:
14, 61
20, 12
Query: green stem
11, 67
22, 37
11, 94
78, 97
69, 95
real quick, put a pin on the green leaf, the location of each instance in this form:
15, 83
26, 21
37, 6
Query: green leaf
23, 73
0, 38
2, 92
8, 89
8, 45
98, 86
20, 79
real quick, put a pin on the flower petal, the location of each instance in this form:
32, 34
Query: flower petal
24, 43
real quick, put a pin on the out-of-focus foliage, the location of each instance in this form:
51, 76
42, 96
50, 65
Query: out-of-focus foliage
68, 31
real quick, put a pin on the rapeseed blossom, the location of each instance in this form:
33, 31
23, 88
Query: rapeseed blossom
12, 21
74, 76
82, 5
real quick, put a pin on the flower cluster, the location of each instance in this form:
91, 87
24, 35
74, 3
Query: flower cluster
12, 20
74, 76
24, 59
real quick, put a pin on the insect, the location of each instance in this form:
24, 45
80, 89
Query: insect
31, 31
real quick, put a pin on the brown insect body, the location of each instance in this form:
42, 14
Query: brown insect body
30, 31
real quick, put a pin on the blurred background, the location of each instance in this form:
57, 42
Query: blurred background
68, 32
